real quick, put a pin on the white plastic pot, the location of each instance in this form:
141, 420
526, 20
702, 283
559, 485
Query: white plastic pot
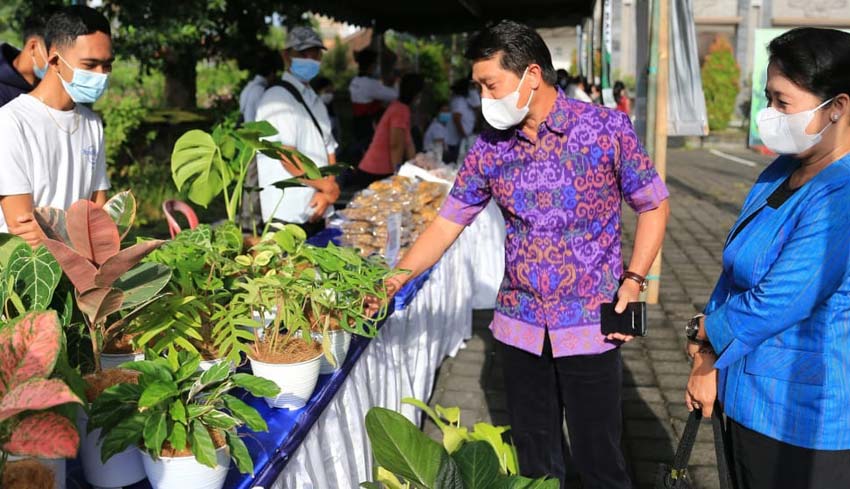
121, 470
186, 472
296, 381
340, 340
113, 360
56, 465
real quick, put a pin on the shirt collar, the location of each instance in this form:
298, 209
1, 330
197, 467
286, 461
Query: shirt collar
300, 85
556, 121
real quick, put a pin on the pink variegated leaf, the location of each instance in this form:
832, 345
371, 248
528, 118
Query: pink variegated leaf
78, 268
52, 221
46, 435
36, 395
28, 349
98, 303
92, 232
121, 263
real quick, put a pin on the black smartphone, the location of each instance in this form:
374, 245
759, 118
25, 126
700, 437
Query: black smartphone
631, 322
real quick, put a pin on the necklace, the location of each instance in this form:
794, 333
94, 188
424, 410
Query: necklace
50, 114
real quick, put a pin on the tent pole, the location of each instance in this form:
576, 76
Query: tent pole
656, 137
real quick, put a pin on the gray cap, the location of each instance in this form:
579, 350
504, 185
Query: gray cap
302, 38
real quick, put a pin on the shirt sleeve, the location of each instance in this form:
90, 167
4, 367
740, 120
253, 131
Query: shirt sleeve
101, 178
378, 91
810, 268
15, 158
471, 191
640, 184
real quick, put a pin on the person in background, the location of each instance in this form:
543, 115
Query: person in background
563, 79
773, 344
621, 95
369, 97
548, 158
463, 121
269, 65
323, 86
52, 149
392, 144
595, 94
303, 124
21, 70
577, 90
435, 136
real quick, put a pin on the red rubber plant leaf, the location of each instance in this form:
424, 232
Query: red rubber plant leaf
80, 271
98, 303
36, 395
92, 232
46, 435
121, 263
28, 349
52, 223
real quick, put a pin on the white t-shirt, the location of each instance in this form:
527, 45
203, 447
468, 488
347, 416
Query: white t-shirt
39, 157
295, 129
460, 105
250, 97
574, 92
435, 132
365, 90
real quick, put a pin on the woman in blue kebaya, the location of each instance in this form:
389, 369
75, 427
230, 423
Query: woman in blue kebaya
774, 343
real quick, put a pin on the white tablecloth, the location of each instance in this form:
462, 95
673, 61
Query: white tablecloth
401, 362
487, 237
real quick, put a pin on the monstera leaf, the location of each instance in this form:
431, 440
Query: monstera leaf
196, 163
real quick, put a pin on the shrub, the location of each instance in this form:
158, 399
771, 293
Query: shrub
720, 75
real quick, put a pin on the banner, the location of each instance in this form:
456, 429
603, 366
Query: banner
686, 112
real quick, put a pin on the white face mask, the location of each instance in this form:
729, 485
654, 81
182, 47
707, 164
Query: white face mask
503, 113
785, 134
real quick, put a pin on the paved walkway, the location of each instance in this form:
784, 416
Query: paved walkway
706, 193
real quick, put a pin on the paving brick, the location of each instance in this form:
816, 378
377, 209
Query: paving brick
646, 394
678, 367
466, 369
673, 381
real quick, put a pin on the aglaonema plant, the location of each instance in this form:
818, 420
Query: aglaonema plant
176, 407
86, 241
29, 350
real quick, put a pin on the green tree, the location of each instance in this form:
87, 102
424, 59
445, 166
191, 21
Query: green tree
720, 75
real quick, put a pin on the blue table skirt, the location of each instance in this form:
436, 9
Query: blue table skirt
287, 429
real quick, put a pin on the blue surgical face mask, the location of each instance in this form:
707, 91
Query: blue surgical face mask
37, 70
86, 86
305, 69
444, 117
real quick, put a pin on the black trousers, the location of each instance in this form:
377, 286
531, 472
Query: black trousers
762, 462
541, 390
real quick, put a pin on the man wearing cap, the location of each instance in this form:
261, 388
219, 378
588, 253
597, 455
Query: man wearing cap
302, 122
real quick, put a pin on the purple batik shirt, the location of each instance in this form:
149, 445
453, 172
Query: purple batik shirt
561, 199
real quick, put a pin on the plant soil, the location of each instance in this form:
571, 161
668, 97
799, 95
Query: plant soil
98, 382
218, 441
295, 351
121, 345
27, 474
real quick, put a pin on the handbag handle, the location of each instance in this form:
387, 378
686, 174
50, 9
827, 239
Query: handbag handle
686, 445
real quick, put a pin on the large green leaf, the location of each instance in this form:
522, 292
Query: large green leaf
399, 446
518, 482
125, 434
239, 453
196, 163
505, 452
34, 274
202, 444
177, 438
257, 386
155, 432
478, 465
157, 392
8, 243
245, 413
142, 283
122, 209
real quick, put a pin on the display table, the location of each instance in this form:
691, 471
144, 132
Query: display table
324, 444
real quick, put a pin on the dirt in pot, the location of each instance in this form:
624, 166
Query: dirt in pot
27, 474
120, 345
218, 440
296, 350
98, 382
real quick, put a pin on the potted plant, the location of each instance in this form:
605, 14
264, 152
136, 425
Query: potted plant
408, 458
183, 420
30, 347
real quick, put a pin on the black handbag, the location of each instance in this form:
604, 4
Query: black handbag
677, 476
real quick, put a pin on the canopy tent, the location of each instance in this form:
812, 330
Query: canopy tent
450, 16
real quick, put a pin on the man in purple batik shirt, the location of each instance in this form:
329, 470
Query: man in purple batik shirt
559, 170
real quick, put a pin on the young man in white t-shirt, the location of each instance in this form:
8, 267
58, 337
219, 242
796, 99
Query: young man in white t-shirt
52, 152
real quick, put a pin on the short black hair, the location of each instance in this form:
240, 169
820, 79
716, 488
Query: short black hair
268, 62
410, 86
366, 58
816, 60
69, 23
519, 44
36, 24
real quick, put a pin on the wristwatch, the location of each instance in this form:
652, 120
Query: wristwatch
692, 331
640, 279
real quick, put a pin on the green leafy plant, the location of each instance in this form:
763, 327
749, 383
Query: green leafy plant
28, 277
86, 241
29, 350
175, 407
410, 459
720, 76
